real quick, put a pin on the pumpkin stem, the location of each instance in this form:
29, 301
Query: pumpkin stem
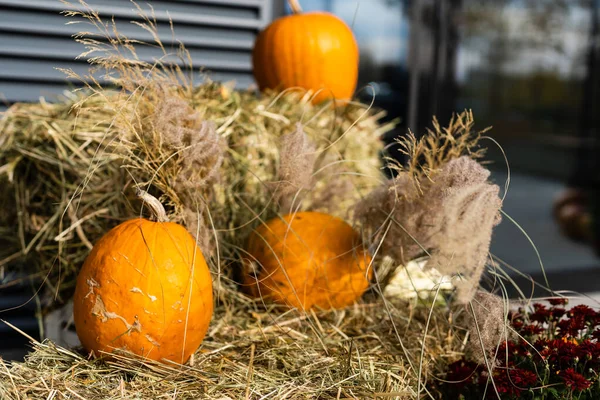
158, 211
295, 5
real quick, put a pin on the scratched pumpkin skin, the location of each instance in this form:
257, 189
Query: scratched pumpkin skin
145, 288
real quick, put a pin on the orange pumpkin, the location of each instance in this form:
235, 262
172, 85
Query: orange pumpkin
307, 259
145, 288
315, 51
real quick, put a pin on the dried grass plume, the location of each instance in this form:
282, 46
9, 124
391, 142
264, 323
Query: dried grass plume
296, 163
440, 204
487, 327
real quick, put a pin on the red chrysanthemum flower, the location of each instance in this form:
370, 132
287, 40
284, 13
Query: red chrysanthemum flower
518, 324
531, 330
557, 313
560, 353
565, 352
461, 373
588, 350
523, 378
558, 301
574, 380
513, 381
543, 348
571, 326
584, 312
566, 344
514, 350
541, 313
516, 319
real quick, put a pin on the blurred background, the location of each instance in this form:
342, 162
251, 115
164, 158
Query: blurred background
528, 68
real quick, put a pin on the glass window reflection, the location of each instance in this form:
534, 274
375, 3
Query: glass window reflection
521, 65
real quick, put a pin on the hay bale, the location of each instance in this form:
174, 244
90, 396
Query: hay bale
253, 352
70, 168
212, 155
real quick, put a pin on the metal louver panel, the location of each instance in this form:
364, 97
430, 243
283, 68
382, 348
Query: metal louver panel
36, 40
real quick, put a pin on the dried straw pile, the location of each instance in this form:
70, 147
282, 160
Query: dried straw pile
71, 168
222, 162
252, 352
212, 155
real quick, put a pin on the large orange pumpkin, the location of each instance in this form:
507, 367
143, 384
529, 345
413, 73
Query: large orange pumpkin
307, 259
315, 51
145, 288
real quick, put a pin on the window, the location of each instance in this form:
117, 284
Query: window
522, 66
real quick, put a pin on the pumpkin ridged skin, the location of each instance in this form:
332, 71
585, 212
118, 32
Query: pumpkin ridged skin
133, 292
315, 51
305, 260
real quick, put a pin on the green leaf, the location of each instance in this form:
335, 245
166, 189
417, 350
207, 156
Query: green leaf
553, 392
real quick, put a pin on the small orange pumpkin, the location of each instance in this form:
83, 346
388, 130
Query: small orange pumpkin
307, 259
145, 288
316, 51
